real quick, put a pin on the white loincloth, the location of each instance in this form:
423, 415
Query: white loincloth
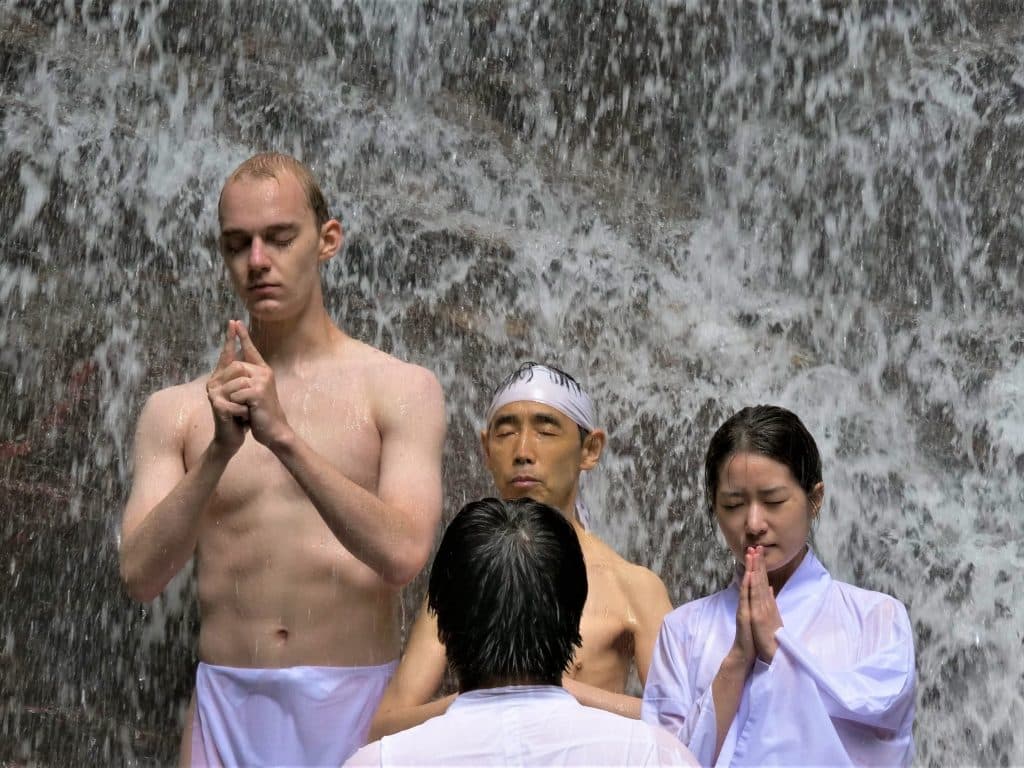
308, 716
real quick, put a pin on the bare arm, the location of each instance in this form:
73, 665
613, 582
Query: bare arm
649, 603
726, 691
592, 696
161, 518
408, 699
393, 529
160, 524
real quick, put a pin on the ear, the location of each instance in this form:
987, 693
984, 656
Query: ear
593, 444
484, 450
331, 238
817, 498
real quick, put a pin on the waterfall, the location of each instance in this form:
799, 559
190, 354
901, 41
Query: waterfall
690, 205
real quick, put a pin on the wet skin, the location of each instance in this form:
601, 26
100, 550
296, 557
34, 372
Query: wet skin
536, 451
303, 474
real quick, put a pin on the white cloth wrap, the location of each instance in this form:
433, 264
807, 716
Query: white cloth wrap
540, 384
308, 716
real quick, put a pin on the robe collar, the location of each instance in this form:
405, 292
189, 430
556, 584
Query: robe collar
506, 694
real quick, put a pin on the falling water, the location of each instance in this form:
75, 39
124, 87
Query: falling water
692, 205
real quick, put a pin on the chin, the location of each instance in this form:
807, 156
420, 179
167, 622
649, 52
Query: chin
265, 314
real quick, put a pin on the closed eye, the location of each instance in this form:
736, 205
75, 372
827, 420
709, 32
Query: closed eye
231, 247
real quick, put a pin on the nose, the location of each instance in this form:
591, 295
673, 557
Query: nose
258, 260
755, 523
524, 448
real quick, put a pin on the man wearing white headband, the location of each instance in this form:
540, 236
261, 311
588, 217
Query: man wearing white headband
541, 434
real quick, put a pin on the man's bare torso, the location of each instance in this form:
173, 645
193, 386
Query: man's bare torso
276, 587
608, 624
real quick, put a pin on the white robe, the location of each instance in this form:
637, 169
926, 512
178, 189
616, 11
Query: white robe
839, 691
525, 725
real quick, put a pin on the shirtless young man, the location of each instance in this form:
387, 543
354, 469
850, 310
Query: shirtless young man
540, 435
305, 476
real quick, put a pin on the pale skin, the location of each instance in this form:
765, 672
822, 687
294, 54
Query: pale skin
765, 517
536, 451
303, 474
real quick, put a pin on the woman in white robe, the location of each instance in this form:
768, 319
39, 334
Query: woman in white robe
786, 666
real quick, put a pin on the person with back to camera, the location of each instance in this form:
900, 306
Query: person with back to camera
304, 475
507, 588
786, 666
540, 436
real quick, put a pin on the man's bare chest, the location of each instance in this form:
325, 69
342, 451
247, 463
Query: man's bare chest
336, 422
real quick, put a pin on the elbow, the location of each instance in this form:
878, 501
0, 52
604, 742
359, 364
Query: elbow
405, 565
136, 586
378, 728
398, 575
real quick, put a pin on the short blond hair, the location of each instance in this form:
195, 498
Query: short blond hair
269, 165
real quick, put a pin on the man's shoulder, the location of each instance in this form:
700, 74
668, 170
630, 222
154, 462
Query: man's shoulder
168, 412
385, 370
637, 581
395, 386
171, 400
642, 591
645, 590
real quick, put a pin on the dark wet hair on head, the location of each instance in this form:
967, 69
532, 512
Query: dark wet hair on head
767, 430
270, 165
508, 586
525, 372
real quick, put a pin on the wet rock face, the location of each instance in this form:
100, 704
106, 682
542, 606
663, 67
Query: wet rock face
690, 206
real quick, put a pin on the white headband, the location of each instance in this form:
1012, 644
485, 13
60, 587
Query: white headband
540, 384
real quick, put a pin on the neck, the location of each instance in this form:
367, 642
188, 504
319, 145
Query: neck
287, 341
568, 511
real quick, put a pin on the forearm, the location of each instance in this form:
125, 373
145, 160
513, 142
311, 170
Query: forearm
394, 719
156, 549
726, 691
379, 534
592, 696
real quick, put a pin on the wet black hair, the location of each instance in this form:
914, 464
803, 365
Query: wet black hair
525, 373
508, 586
768, 430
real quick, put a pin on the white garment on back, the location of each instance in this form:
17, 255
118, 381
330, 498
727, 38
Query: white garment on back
308, 716
525, 725
839, 691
